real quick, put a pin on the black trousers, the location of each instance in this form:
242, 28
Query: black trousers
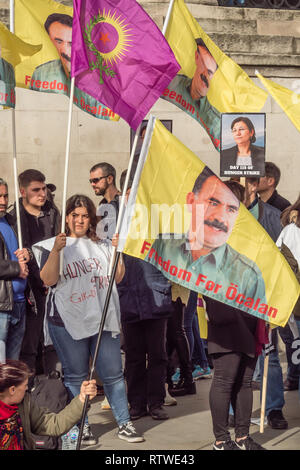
231, 383
177, 341
39, 358
145, 362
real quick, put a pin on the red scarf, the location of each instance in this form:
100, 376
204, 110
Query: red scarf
11, 430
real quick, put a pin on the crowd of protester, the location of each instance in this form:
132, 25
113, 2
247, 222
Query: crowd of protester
153, 321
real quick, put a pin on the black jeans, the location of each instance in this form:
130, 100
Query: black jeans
33, 351
145, 362
177, 341
231, 383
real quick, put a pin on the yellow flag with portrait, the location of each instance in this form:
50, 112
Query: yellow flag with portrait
50, 23
223, 86
185, 221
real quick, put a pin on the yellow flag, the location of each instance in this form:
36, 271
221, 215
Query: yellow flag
287, 99
50, 23
186, 222
12, 51
209, 82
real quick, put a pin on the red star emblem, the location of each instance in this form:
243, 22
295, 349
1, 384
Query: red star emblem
104, 37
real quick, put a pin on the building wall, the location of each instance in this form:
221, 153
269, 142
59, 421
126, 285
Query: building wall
41, 119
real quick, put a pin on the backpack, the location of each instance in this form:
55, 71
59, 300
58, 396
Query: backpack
49, 393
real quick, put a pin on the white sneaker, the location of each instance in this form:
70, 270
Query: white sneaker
169, 401
128, 433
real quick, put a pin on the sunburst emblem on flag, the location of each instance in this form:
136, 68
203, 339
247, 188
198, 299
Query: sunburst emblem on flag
108, 38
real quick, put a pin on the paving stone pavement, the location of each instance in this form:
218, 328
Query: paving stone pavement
189, 426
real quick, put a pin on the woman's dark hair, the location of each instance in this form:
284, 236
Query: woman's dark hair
291, 214
248, 123
79, 200
13, 373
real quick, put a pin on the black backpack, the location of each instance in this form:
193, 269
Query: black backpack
50, 394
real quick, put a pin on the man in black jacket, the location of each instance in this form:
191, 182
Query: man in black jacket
267, 187
13, 275
40, 220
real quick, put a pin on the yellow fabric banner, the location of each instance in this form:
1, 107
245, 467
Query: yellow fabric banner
209, 82
287, 99
12, 51
189, 225
50, 23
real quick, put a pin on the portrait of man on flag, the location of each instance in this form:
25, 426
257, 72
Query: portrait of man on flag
209, 82
59, 29
190, 94
186, 222
49, 72
203, 254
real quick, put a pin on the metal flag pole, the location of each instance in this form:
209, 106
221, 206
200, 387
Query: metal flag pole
67, 159
113, 267
111, 273
13, 121
168, 15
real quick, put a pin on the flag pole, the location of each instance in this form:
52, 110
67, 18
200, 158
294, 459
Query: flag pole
111, 274
14, 139
67, 158
264, 394
168, 15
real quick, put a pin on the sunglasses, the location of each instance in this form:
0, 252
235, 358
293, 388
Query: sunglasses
96, 180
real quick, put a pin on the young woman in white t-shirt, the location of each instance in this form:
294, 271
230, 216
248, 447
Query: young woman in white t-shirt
74, 309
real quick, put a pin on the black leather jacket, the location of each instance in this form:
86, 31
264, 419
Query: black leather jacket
8, 271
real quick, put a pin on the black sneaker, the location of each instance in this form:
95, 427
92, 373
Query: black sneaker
276, 420
248, 444
135, 413
226, 445
128, 433
88, 438
158, 413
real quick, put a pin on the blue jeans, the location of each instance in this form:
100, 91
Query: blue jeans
74, 356
191, 326
12, 329
296, 358
293, 372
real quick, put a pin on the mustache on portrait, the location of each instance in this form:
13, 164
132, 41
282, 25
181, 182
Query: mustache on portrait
216, 224
65, 56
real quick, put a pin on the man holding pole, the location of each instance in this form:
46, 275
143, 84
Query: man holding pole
14, 272
39, 221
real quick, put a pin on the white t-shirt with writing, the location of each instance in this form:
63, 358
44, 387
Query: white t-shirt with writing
80, 293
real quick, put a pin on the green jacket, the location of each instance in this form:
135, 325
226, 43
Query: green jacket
39, 421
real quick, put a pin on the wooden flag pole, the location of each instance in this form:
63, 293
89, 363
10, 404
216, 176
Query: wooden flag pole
14, 139
67, 159
264, 394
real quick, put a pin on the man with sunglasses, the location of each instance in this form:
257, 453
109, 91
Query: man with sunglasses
39, 220
103, 181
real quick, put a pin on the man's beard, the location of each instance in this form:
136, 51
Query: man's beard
3, 213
